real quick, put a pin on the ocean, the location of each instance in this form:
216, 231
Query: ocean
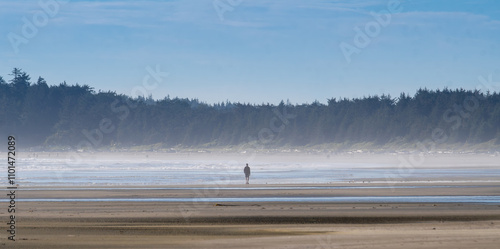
106, 172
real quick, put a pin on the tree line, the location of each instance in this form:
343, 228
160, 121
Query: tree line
77, 116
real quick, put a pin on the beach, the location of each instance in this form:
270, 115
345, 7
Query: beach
131, 222
199, 200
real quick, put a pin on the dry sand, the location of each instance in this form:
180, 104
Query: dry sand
194, 224
119, 224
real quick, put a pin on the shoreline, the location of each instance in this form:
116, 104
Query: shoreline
475, 188
270, 224
195, 224
278, 155
488, 147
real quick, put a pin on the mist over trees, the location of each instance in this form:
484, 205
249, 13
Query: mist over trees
77, 116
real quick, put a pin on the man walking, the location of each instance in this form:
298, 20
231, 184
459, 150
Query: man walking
247, 173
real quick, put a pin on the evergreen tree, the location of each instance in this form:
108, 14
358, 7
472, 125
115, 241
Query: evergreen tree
79, 117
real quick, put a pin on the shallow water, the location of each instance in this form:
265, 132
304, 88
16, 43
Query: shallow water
52, 172
250, 187
363, 199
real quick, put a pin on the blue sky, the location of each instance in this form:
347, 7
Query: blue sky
259, 51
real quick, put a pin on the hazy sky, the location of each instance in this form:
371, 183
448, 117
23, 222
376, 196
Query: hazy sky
254, 50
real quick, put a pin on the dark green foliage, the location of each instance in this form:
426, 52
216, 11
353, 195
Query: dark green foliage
77, 116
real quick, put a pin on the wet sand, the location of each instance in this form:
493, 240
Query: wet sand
196, 224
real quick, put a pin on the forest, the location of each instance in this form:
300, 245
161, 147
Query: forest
78, 117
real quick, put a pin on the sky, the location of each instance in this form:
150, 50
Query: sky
255, 51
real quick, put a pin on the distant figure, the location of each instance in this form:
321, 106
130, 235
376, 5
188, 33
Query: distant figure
247, 173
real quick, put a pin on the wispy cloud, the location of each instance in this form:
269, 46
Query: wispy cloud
115, 13
461, 20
